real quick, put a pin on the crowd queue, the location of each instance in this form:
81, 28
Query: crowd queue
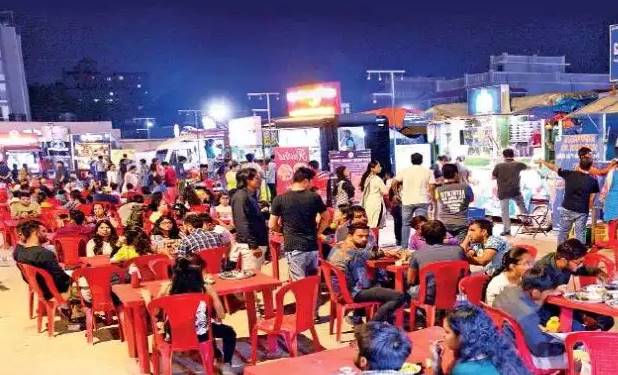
143, 208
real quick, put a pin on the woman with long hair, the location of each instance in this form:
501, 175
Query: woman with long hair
104, 241
191, 198
100, 213
344, 190
374, 189
136, 243
165, 234
478, 346
515, 262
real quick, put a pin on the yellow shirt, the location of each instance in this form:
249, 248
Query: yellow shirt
230, 179
125, 253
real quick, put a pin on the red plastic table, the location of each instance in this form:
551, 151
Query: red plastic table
567, 306
328, 362
95, 261
135, 309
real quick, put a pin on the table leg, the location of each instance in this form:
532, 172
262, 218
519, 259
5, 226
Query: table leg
141, 339
399, 280
566, 319
129, 330
269, 309
251, 310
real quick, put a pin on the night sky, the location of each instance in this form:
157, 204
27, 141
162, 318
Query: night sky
194, 50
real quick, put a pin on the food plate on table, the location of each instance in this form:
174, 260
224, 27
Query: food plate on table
236, 275
612, 303
585, 297
410, 368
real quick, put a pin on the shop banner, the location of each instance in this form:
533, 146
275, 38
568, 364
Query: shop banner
566, 157
356, 162
287, 160
613, 53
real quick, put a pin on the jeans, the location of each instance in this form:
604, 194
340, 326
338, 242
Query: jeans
227, 335
396, 212
302, 263
390, 301
407, 213
273, 190
504, 207
569, 219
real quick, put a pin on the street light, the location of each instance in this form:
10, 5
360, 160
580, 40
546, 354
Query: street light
219, 110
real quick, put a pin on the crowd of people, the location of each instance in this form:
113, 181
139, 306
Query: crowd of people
139, 209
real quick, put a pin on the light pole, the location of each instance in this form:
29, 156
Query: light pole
148, 123
267, 110
391, 74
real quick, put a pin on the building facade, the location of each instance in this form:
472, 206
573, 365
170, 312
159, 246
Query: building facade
14, 101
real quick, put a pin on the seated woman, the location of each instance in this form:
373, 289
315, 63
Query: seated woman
478, 346
188, 278
165, 235
136, 243
417, 241
104, 240
515, 262
99, 213
75, 200
163, 209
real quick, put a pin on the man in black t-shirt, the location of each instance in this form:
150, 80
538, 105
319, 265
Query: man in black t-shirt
579, 192
507, 177
298, 209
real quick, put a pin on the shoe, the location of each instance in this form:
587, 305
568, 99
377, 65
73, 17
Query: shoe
226, 369
354, 320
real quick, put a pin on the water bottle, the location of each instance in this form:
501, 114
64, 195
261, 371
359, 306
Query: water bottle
135, 277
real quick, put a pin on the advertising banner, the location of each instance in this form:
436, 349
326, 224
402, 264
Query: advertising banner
613, 53
319, 99
489, 100
287, 160
356, 162
566, 157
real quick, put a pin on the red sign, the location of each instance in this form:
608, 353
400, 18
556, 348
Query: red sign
319, 99
287, 160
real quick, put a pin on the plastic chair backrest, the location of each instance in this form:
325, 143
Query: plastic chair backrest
180, 309
143, 265
99, 281
446, 277
601, 348
502, 320
532, 250
306, 295
161, 268
85, 208
213, 257
37, 276
472, 286
343, 294
597, 260
69, 248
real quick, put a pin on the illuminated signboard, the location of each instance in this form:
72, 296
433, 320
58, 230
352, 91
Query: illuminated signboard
320, 99
489, 100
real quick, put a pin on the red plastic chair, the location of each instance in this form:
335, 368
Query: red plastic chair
305, 294
34, 275
180, 311
213, 257
99, 281
532, 250
274, 246
30, 292
341, 301
199, 209
472, 286
446, 275
502, 320
143, 265
600, 346
597, 260
160, 268
69, 248
85, 208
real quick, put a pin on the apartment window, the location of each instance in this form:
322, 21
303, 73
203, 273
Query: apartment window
139, 85
120, 78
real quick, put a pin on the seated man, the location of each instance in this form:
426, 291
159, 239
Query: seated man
382, 348
24, 208
197, 238
482, 248
355, 215
32, 253
351, 256
434, 233
76, 226
525, 305
567, 261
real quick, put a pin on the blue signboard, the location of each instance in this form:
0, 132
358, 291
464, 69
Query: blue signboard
613, 53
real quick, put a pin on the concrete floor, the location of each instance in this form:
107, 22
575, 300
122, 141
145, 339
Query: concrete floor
24, 351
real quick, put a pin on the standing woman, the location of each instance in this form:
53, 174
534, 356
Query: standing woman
344, 190
609, 196
112, 174
374, 189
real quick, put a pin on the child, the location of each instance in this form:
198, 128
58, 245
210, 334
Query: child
223, 211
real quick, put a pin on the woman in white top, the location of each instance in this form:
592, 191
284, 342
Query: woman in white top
104, 241
373, 189
514, 263
112, 174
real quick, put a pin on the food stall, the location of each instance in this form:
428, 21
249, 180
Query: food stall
21, 148
56, 146
88, 147
245, 136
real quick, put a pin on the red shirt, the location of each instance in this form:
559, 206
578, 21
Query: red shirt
170, 177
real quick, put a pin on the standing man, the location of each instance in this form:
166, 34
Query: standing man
143, 172
61, 174
123, 165
418, 185
320, 180
579, 192
298, 209
251, 230
271, 176
251, 163
454, 197
100, 169
5, 173
507, 176
586, 152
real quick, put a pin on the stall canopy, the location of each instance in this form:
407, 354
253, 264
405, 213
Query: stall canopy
607, 104
396, 116
446, 111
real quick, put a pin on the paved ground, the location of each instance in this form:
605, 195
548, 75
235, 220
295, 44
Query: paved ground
24, 351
